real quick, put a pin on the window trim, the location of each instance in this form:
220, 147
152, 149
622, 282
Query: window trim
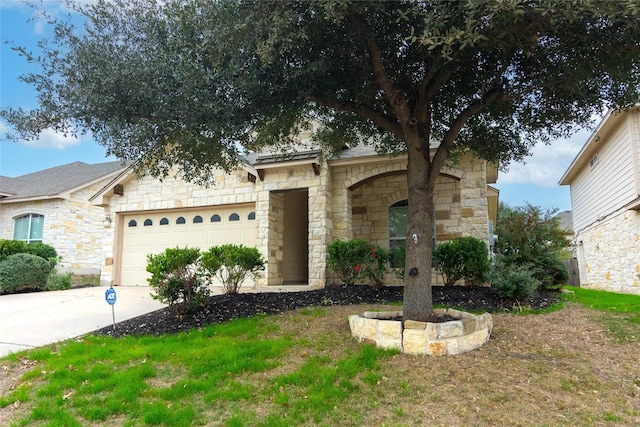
30, 216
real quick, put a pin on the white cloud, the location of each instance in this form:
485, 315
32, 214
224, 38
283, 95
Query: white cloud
53, 140
547, 163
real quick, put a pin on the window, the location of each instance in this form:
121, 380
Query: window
234, 217
28, 228
252, 216
180, 220
197, 219
164, 221
133, 223
215, 218
398, 215
398, 223
148, 222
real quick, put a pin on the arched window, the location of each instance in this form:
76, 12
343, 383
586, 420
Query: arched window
164, 221
148, 222
216, 218
133, 223
398, 213
197, 219
180, 220
28, 228
234, 217
252, 215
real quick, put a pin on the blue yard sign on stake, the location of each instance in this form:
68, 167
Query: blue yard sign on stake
110, 296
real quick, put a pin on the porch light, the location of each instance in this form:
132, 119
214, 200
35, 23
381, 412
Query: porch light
107, 221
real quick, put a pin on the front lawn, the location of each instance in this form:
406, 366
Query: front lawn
566, 367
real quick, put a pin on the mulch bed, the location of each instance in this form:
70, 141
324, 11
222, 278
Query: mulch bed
221, 308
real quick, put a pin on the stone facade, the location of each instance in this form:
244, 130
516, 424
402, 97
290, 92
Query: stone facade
346, 198
608, 262
71, 225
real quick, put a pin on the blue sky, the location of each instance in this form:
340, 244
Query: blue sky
534, 182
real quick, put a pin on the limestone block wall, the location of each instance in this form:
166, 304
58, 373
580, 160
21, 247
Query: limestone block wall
71, 225
609, 254
270, 205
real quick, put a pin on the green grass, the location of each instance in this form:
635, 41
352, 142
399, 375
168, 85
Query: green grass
622, 317
249, 372
185, 379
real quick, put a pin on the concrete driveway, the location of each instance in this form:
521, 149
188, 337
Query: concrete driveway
40, 318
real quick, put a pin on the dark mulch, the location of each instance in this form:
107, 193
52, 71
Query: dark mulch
221, 308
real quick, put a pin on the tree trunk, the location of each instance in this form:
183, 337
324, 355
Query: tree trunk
418, 302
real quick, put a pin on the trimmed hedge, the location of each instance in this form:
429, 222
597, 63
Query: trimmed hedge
23, 271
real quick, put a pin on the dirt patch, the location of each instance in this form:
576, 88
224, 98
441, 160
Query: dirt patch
11, 374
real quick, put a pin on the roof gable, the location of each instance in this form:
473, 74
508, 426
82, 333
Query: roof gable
55, 181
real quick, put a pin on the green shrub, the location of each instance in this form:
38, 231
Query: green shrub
21, 271
43, 250
462, 258
516, 283
551, 271
232, 264
176, 279
348, 259
11, 247
58, 281
375, 270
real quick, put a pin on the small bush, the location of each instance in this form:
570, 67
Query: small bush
462, 258
515, 283
43, 250
375, 270
58, 281
176, 279
11, 247
21, 271
348, 258
232, 264
551, 272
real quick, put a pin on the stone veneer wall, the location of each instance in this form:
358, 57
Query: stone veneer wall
318, 189
234, 188
330, 206
71, 225
609, 256
460, 201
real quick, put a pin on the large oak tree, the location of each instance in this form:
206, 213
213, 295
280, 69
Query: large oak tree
190, 83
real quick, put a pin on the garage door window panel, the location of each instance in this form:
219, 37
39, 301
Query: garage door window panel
216, 218
234, 217
181, 220
197, 219
148, 222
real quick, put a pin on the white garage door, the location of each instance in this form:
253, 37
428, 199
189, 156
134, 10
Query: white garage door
152, 233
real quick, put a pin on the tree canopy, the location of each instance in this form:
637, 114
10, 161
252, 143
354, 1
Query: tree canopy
191, 83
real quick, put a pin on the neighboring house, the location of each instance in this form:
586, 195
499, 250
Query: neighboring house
604, 179
290, 209
52, 206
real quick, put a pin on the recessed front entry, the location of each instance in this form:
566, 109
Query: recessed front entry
295, 263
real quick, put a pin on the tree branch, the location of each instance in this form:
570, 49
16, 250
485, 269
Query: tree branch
450, 136
397, 100
382, 120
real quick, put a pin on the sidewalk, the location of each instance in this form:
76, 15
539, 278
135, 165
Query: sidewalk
36, 319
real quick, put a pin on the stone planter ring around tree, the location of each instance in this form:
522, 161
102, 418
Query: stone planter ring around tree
468, 332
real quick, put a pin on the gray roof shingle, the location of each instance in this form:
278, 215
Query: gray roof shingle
56, 180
